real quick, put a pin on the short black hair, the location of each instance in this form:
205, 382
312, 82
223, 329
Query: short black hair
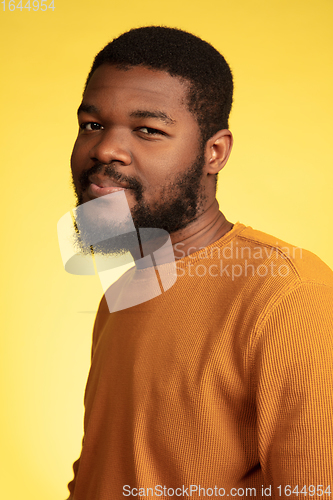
183, 55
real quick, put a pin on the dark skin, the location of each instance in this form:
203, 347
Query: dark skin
137, 120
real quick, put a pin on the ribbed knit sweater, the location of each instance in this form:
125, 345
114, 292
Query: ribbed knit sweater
220, 384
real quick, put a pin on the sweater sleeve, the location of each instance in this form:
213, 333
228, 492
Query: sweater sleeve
101, 317
293, 366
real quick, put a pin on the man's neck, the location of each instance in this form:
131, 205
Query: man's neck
209, 227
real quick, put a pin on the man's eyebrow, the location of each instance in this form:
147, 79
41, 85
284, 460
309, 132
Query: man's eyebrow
160, 115
87, 108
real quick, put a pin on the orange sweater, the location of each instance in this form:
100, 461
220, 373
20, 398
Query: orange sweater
221, 384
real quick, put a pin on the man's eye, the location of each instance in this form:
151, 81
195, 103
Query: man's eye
150, 131
90, 126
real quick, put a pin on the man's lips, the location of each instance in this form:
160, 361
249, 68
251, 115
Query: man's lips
101, 186
95, 191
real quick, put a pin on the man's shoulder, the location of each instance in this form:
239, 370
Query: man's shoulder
305, 265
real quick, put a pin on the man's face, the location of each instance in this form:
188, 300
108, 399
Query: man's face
136, 134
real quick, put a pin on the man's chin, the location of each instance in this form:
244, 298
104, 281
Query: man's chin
105, 225
112, 247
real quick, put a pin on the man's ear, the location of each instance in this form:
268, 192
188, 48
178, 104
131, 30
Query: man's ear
217, 151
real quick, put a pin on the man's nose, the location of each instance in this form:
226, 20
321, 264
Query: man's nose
110, 147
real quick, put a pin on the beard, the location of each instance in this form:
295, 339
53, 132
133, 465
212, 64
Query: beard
113, 229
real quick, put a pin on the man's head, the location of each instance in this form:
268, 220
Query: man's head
153, 120
181, 54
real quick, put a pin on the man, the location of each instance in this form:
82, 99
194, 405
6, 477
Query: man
222, 384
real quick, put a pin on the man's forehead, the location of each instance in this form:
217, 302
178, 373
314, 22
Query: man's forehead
138, 81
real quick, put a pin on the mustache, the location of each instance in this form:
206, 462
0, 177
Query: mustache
111, 172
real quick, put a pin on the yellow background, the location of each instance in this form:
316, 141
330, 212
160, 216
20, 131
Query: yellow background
278, 179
